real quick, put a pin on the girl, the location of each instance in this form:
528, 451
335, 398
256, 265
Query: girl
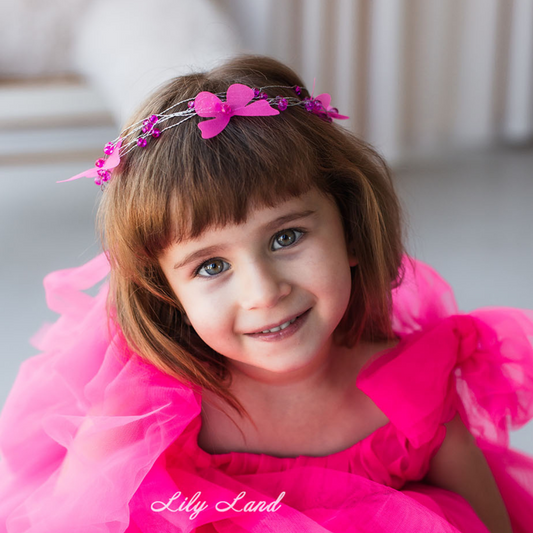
265, 357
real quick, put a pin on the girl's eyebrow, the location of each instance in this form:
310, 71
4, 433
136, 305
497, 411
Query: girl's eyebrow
268, 226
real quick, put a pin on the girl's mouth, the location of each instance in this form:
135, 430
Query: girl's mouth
284, 330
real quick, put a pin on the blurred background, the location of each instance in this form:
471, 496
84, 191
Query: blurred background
442, 88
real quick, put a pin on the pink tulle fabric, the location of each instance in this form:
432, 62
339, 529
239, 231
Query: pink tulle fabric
94, 439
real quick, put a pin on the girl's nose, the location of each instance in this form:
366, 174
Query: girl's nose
262, 286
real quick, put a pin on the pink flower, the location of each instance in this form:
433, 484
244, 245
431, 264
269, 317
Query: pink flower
109, 164
332, 112
208, 104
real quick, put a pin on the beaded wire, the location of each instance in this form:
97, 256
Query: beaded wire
150, 127
190, 112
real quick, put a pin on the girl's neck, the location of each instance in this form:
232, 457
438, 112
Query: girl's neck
297, 411
323, 373
330, 374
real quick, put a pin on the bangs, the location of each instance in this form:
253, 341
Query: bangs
250, 166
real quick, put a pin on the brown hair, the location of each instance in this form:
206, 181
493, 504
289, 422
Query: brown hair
181, 184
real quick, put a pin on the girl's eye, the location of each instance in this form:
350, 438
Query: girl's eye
214, 267
286, 238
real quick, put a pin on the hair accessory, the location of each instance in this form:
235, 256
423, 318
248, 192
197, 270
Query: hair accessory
102, 167
219, 108
238, 96
321, 105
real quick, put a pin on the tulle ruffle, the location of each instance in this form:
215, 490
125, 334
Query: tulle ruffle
85, 420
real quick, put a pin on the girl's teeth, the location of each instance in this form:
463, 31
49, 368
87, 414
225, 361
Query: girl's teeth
279, 328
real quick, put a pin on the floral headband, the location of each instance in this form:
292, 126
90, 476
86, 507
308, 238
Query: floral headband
206, 105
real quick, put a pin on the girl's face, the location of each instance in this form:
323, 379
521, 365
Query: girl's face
282, 263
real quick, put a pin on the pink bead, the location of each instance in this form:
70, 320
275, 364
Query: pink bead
257, 93
104, 174
190, 105
99, 163
109, 148
282, 104
141, 142
156, 133
226, 109
153, 119
223, 108
263, 96
297, 89
147, 126
98, 181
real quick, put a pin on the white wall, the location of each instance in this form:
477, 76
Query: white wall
415, 75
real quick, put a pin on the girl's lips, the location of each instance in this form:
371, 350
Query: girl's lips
283, 333
275, 325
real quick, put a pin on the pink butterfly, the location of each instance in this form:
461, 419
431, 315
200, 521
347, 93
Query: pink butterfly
208, 104
333, 112
109, 164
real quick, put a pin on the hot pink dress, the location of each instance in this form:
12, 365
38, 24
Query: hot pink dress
93, 439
